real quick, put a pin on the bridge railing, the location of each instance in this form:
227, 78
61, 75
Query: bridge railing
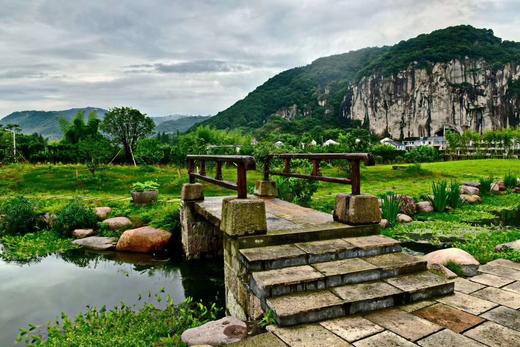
354, 160
197, 170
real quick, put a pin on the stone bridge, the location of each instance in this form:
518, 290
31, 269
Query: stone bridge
301, 264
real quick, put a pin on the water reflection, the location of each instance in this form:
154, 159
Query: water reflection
40, 290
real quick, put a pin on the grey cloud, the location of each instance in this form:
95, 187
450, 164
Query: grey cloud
177, 56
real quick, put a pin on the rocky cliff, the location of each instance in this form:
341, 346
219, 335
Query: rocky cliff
459, 77
460, 94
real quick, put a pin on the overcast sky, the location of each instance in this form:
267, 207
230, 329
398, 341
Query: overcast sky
198, 57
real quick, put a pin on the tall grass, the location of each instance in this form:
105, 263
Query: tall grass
391, 207
454, 199
510, 180
440, 195
485, 185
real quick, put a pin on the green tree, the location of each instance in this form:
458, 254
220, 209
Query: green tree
127, 126
95, 151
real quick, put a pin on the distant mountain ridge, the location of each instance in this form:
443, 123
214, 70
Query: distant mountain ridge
46, 123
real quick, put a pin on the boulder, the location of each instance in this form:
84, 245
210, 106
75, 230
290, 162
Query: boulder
468, 264
514, 245
102, 213
407, 204
424, 206
472, 184
96, 243
216, 333
471, 199
143, 240
404, 218
469, 190
82, 233
118, 223
516, 190
384, 223
498, 187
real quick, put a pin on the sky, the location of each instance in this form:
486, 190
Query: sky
198, 57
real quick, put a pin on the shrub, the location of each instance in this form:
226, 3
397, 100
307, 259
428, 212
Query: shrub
485, 185
510, 180
145, 186
74, 216
422, 154
440, 195
18, 217
391, 207
298, 191
454, 199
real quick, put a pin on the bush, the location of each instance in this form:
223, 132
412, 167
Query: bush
485, 185
510, 180
74, 216
18, 217
422, 154
454, 199
391, 207
298, 191
440, 195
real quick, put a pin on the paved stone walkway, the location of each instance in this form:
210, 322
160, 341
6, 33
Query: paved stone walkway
484, 311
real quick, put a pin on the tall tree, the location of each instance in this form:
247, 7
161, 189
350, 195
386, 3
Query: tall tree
127, 125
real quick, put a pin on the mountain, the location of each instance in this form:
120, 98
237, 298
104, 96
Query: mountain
459, 77
179, 124
46, 123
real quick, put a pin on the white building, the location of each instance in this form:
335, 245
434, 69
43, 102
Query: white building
438, 142
396, 144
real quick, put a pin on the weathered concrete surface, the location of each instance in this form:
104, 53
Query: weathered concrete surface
494, 334
273, 257
384, 339
448, 338
357, 209
311, 335
192, 192
502, 297
262, 340
405, 324
491, 280
243, 217
449, 317
352, 328
200, 238
504, 316
468, 303
465, 286
266, 189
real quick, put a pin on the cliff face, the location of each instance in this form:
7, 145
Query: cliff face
462, 95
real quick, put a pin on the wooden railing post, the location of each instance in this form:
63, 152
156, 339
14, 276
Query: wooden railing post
191, 169
355, 177
242, 181
218, 170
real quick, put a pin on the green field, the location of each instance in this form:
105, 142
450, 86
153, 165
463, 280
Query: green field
113, 182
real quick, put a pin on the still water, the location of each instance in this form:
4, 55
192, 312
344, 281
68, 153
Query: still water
39, 291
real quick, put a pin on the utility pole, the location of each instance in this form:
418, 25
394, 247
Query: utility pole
13, 128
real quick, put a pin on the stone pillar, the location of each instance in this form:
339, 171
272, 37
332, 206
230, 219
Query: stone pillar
357, 209
240, 217
266, 189
200, 238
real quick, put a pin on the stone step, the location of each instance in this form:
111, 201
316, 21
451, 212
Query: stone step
306, 253
315, 306
330, 274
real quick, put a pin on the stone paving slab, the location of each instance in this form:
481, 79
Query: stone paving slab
466, 286
373, 242
289, 308
515, 287
286, 280
493, 334
416, 305
500, 270
449, 317
384, 339
366, 291
447, 338
499, 296
504, 316
352, 328
395, 264
272, 253
468, 303
262, 340
343, 267
405, 324
506, 263
308, 336
491, 280
327, 250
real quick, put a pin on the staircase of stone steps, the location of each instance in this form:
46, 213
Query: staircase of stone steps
307, 282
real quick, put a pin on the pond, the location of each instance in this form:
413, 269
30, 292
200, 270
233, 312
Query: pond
39, 291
